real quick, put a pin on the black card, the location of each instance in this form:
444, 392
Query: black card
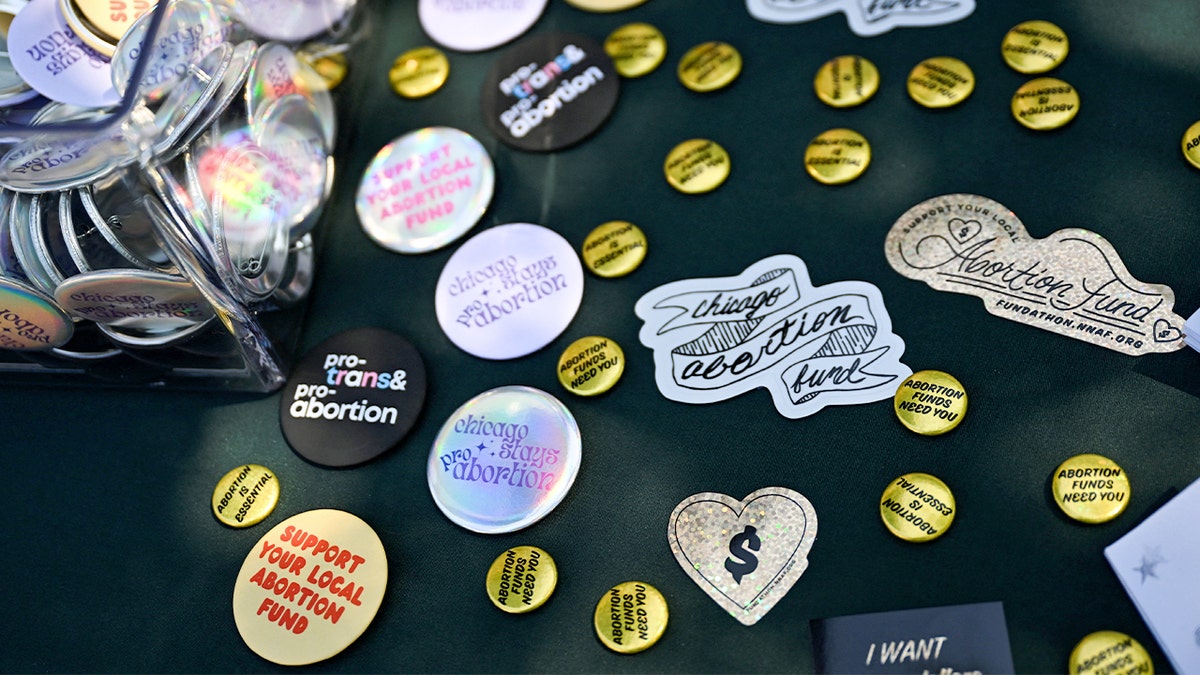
952, 640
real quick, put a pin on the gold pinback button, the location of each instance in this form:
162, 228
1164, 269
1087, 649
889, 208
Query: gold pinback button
327, 60
1191, 145
940, 82
1034, 47
930, 402
245, 496
1045, 103
1108, 651
631, 617
709, 66
419, 72
846, 81
696, 166
1090, 488
591, 366
837, 156
521, 579
636, 49
917, 507
614, 249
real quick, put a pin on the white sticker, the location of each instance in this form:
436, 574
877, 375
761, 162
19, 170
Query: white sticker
53, 60
476, 26
509, 291
1072, 283
768, 327
867, 18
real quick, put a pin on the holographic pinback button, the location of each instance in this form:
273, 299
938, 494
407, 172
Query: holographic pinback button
425, 189
504, 460
509, 291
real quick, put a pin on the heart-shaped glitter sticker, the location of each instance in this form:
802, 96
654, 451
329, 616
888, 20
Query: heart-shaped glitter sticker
744, 554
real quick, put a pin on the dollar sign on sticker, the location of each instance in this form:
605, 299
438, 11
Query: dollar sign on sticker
743, 561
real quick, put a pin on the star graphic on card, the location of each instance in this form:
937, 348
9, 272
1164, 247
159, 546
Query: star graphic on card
1150, 560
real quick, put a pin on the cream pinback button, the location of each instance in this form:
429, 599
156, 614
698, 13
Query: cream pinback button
709, 66
504, 460
310, 587
630, 635
138, 302
475, 27
549, 91
1045, 103
614, 249
425, 189
509, 291
1033, 47
846, 81
292, 20
276, 73
697, 166
352, 397
245, 496
30, 320
36, 35
940, 82
521, 579
636, 49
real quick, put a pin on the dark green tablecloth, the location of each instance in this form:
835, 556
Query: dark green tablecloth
112, 560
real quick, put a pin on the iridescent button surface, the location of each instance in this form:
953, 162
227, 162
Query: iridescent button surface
291, 20
30, 320
504, 460
509, 290
425, 189
146, 303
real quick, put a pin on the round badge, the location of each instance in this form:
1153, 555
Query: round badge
146, 303
940, 82
352, 397
591, 366
476, 26
1034, 47
837, 156
709, 66
521, 579
636, 49
245, 496
917, 507
509, 291
190, 29
108, 19
696, 166
504, 460
84, 30
30, 320
326, 60
605, 5
630, 617
291, 20
419, 72
614, 249
846, 81
48, 55
549, 91
310, 587
1090, 488
1108, 651
1045, 103
424, 190
1191, 145
930, 402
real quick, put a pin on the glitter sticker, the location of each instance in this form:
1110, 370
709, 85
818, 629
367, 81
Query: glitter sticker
769, 327
1072, 283
867, 18
745, 555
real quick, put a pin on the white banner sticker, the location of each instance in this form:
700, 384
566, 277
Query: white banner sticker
867, 18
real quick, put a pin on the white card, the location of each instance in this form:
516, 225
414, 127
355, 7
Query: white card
1158, 563
867, 18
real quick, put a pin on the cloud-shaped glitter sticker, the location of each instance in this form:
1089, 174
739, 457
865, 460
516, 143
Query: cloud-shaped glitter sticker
1072, 283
